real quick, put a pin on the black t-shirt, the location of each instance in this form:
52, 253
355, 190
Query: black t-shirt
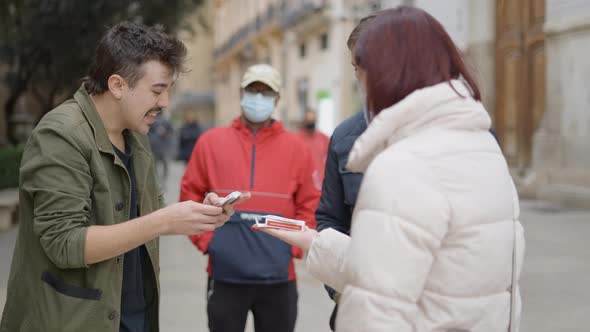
134, 306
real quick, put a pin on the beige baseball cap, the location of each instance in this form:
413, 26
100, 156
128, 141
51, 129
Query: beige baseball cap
262, 73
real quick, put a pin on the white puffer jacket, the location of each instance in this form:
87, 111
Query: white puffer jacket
431, 246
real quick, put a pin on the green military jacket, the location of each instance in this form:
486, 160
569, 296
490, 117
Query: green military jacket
71, 178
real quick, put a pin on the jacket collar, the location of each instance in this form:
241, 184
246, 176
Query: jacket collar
100, 134
437, 106
275, 128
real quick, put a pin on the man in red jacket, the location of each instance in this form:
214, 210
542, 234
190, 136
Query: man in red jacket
252, 270
318, 144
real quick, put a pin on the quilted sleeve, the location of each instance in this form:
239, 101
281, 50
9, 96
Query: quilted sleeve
400, 220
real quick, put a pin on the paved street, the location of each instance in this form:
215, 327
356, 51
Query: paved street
555, 283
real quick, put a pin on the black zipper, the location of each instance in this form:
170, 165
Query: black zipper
253, 166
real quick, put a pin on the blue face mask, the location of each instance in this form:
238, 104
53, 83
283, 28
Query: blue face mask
257, 108
363, 100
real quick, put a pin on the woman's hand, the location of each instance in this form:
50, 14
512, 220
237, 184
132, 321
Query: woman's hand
302, 240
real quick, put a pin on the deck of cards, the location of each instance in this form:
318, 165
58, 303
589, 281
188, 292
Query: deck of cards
270, 221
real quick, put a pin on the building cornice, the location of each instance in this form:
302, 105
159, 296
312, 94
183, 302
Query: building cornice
565, 25
274, 21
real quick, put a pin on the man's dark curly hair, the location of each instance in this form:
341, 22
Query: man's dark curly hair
125, 47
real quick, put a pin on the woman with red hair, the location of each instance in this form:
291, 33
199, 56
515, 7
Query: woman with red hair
435, 243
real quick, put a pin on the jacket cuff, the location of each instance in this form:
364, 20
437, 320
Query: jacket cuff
325, 260
77, 248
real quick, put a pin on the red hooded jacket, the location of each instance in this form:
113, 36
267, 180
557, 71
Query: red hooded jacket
276, 167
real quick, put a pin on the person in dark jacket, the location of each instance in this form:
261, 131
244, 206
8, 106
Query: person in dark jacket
188, 136
340, 186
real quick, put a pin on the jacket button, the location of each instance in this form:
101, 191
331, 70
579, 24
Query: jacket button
119, 206
112, 315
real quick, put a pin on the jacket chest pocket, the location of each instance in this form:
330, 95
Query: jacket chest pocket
148, 197
119, 204
109, 204
116, 183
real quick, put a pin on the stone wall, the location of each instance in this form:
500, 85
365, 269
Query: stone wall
561, 158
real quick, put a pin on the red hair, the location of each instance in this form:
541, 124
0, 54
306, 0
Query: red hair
405, 49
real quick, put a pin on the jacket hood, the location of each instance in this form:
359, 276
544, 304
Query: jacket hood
274, 128
446, 105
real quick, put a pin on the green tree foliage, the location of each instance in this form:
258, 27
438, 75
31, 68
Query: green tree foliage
10, 157
47, 45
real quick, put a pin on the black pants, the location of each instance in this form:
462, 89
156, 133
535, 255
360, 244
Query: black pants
273, 306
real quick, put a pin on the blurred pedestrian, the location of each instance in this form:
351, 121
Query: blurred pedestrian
188, 136
435, 243
252, 271
318, 143
86, 255
160, 135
